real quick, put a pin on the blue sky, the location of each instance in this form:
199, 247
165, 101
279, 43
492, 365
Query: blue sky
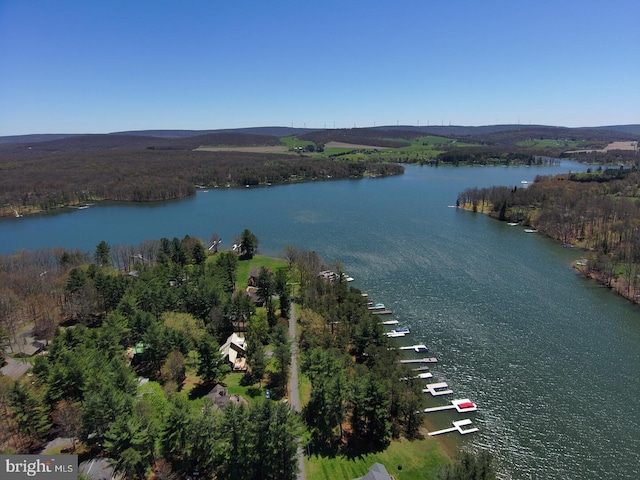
102, 66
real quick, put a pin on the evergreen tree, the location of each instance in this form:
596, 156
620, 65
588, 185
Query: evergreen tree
283, 290
198, 254
103, 404
175, 434
265, 290
282, 356
237, 450
248, 244
29, 412
207, 442
102, 255
129, 443
470, 466
211, 366
224, 270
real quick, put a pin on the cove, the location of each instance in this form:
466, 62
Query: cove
551, 359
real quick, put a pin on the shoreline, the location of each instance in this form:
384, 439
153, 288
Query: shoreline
9, 211
618, 286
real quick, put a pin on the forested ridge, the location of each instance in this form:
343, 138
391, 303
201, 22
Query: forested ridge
160, 311
40, 180
598, 211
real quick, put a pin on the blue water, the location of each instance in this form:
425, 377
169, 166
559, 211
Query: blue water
550, 358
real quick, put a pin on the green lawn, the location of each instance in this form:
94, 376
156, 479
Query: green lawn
245, 266
293, 141
252, 393
403, 460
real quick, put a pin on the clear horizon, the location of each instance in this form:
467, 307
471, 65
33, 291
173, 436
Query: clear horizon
83, 67
285, 126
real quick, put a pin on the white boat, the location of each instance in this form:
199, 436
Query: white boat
404, 330
530, 230
513, 224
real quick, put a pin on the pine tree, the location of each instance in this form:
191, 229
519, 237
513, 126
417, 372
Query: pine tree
211, 366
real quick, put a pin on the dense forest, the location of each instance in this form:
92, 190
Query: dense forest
598, 211
54, 171
132, 337
82, 169
46, 180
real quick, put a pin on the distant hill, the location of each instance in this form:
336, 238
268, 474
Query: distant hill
632, 129
384, 136
35, 138
114, 142
272, 131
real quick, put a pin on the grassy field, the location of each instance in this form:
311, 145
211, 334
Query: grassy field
258, 261
293, 142
427, 147
403, 460
551, 142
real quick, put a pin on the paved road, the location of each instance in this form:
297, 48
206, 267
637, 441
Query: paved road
98, 469
294, 392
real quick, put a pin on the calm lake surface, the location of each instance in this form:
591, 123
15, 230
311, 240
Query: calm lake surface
551, 359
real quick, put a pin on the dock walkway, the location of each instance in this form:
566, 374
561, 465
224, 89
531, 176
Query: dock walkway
420, 360
458, 425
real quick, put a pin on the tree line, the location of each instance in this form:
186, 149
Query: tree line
41, 180
497, 155
359, 400
598, 211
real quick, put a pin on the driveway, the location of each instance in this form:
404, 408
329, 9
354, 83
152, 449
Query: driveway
294, 392
15, 368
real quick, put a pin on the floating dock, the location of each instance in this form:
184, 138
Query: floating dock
395, 334
437, 389
377, 306
457, 425
462, 406
389, 322
416, 348
421, 369
420, 360
422, 376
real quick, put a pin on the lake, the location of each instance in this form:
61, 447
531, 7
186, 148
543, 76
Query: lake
550, 358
